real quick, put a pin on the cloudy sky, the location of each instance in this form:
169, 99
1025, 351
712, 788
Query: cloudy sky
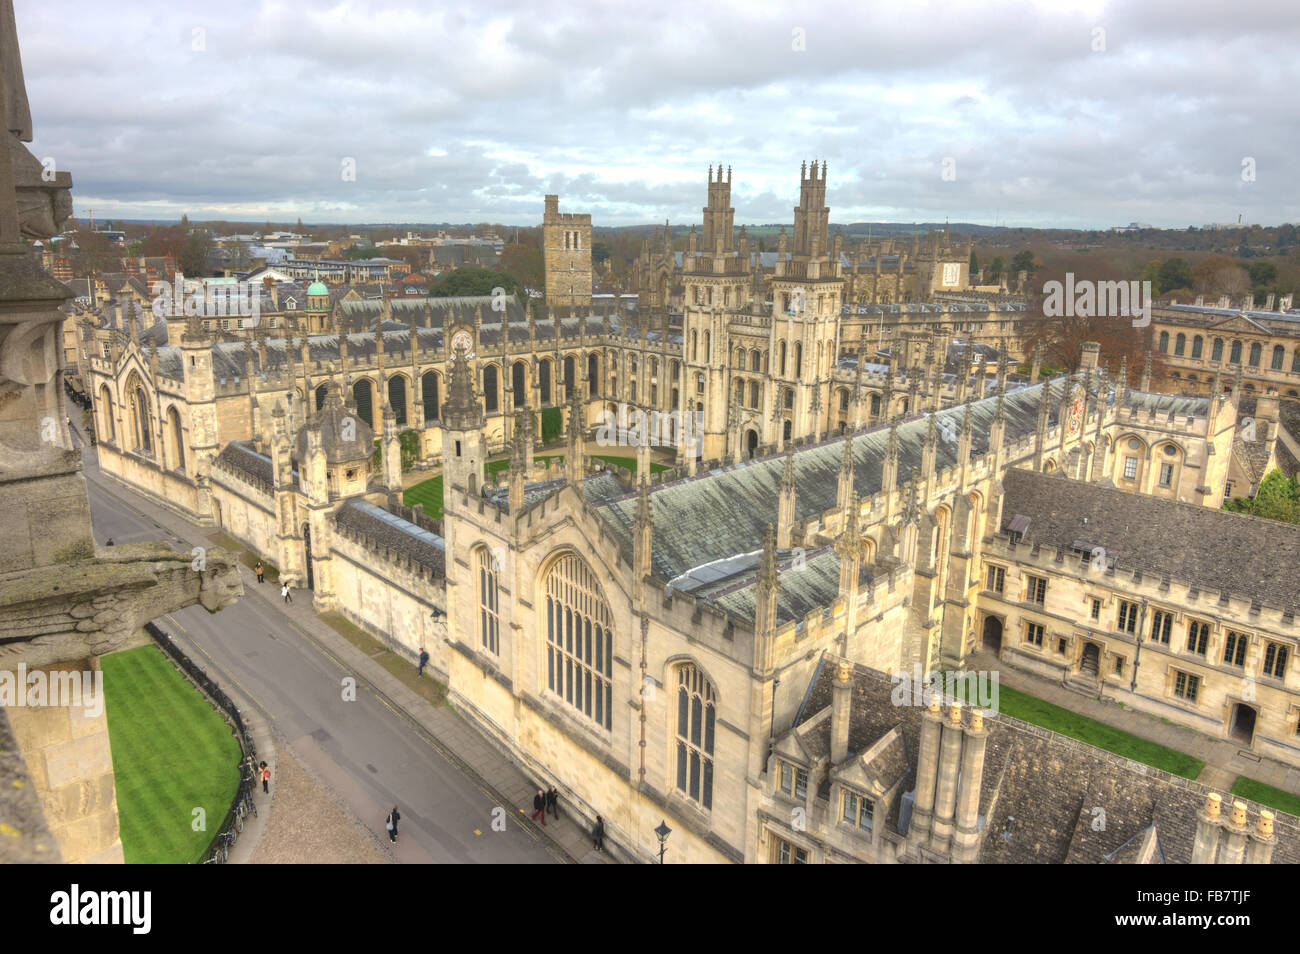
1073, 113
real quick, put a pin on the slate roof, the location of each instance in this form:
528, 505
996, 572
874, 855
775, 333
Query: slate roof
1039, 788
389, 530
1216, 550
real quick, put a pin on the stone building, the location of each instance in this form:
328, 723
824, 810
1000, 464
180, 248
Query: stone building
566, 254
861, 778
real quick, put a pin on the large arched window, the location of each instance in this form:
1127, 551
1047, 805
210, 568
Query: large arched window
1197, 344
696, 714
518, 392
361, 394
782, 362
579, 643
140, 416
593, 374
798, 359
429, 389
1180, 344
175, 437
107, 426
1164, 341
1279, 355
397, 398
1216, 352
490, 398
1255, 353
489, 621
1235, 354
544, 381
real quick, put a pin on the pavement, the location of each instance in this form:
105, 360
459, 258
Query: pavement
1224, 759
462, 799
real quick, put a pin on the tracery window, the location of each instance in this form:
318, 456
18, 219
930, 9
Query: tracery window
579, 641
696, 715
489, 621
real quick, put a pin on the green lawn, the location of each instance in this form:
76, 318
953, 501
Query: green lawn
427, 492
172, 753
1267, 795
1029, 708
630, 463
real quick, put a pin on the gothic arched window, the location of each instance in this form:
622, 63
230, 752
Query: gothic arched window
696, 714
489, 621
579, 642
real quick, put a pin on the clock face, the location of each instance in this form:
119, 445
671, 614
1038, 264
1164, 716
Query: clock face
462, 339
1075, 420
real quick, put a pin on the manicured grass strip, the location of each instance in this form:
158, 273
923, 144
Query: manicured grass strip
427, 492
1267, 795
630, 463
246, 556
425, 686
172, 753
497, 466
1029, 708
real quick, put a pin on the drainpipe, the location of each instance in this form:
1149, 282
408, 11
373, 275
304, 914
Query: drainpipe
1137, 658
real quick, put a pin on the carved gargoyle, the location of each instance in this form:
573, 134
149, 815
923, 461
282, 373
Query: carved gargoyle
100, 606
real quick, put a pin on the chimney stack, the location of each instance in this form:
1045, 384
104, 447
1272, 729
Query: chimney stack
841, 706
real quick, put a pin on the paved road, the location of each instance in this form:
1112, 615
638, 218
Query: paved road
368, 753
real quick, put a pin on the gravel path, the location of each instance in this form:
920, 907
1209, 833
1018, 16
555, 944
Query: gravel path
310, 824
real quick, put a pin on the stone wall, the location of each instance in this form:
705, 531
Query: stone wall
71, 764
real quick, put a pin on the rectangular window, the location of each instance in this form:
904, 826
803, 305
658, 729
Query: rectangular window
1275, 659
794, 780
1034, 634
1186, 686
1166, 475
1096, 609
1036, 589
1198, 637
788, 854
997, 577
1234, 649
1119, 665
866, 813
1130, 468
850, 808
1128, 617
1161, 623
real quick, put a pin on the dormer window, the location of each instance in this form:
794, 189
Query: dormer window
858, 810
794, 781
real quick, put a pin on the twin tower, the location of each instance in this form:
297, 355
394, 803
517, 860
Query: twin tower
566, 236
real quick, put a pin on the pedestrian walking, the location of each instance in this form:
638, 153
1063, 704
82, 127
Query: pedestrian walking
284, 591
265, 772
109, 543
391, 824
539, 806
598, 834
424, 661
553, 801
258, 570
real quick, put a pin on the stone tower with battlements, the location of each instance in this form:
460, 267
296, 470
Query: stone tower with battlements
566, 255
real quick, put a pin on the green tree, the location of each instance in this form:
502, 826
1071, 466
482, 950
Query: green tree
1262, 273
600, 252
996, 267
472, 281
974, 263
1175, 273
1023, 262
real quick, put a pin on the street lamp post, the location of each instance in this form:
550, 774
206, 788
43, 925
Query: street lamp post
663, 831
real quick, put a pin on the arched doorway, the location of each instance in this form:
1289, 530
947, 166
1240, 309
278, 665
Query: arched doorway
751, 443
1242, 726
1090, 661
992, 640
306, 550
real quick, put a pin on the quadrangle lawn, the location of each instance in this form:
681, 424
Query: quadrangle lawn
172, 753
